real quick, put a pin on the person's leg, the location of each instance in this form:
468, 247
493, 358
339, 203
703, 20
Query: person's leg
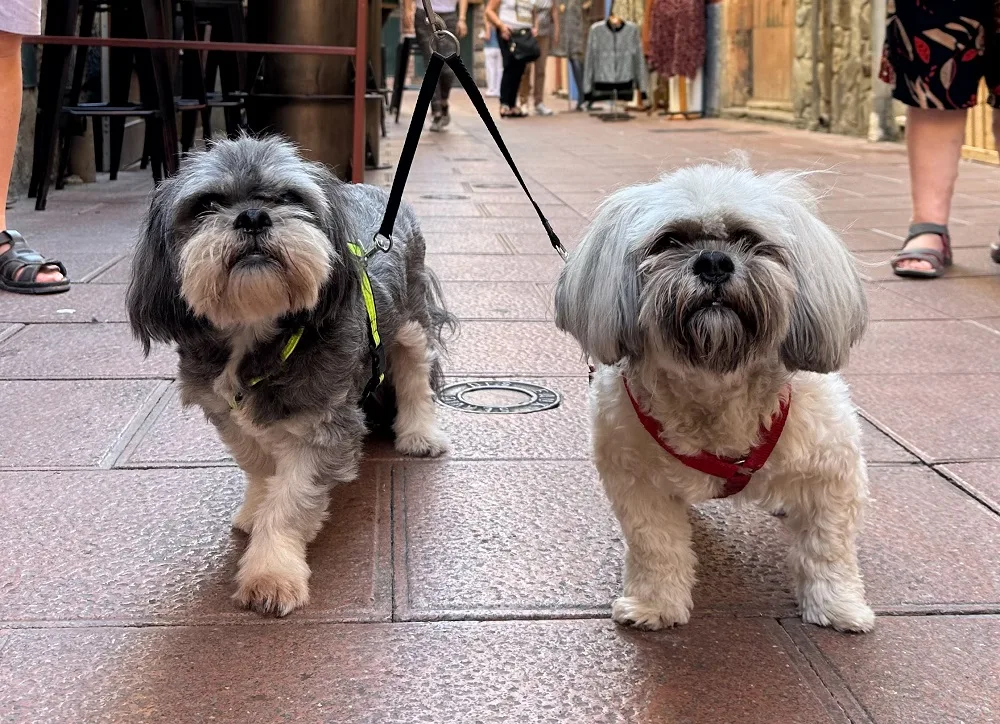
447, 78
10, 117
511, 79
524, 90
425, 38
544, 44
934, 147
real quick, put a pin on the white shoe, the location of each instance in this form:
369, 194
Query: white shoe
542, 110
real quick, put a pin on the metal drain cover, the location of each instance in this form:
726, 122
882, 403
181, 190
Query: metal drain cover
494, 186
503, 397
445, 197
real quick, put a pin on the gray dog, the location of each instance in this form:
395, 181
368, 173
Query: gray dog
245, 262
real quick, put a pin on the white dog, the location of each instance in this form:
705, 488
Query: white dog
719, 306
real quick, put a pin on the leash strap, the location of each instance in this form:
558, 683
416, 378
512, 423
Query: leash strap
434, 68
377, 351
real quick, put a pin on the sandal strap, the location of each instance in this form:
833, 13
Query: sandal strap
932, 256
927, 227
22, 257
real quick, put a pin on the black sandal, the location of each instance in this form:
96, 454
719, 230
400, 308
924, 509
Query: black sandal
22, 258
937, 258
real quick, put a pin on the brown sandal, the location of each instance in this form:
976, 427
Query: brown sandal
937, 258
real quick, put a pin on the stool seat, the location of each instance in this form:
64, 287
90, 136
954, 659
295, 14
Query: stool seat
104, 110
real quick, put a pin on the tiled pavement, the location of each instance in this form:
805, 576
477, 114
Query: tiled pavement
477, 588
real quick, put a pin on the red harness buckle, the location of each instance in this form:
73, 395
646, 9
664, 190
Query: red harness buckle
736, 472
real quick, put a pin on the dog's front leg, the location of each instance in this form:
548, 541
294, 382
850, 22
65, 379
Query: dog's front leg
416, 427
824, 558
273, 576
659, 561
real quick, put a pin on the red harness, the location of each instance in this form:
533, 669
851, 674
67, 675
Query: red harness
736, 473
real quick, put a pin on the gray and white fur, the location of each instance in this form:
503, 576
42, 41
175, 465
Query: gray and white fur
245, 245
715, 292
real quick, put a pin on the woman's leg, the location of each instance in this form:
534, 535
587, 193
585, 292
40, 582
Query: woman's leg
544, 44
511, 80
10, 118
524, 90
934, 147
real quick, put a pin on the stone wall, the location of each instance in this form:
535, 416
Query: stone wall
831, 72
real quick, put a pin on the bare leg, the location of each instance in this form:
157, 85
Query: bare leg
10, 119
416, 427
934, 147
659, 562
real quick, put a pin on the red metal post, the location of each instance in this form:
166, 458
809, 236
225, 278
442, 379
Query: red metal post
360, 87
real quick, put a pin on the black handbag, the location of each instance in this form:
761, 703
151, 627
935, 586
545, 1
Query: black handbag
524, 46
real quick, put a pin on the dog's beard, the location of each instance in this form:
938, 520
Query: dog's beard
233, 278
719, 329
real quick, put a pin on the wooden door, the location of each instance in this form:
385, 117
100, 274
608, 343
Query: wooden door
979, 141
773, 49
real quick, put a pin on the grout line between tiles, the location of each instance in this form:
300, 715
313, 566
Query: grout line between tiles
143, 429
87, 278
133, 426
12, 331
825, 672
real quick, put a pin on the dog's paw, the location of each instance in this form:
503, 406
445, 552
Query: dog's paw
647, 616
272, 593
842, 615
425, 443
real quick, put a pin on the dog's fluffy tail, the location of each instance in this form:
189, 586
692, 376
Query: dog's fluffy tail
443, 326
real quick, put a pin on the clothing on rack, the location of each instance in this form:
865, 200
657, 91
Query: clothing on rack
677, 37
614, 56
572, 30
629, 10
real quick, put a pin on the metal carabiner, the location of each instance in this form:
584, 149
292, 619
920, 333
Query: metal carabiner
440, 32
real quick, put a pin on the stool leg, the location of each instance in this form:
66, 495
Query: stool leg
153, 16
87, 14
122, 62
61, 20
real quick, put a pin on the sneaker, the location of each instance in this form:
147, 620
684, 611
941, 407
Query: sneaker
523, 109
542, 110
436, 125
445, 119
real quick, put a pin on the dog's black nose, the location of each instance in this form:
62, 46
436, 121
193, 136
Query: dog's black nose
714, 267
252, 220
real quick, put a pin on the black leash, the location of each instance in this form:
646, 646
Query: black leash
383, 239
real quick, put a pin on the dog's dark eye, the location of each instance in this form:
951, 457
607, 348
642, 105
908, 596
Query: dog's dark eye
292, 198
665, 242
205, 204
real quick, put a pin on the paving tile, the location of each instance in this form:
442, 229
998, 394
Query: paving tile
921, 670
886, 305
880, 448
544, 541
477, 671
67, 424
513, 349
942, 417
490, 268
156, 546
119, 273
927, 544
982, 479
494, 300
926, 347
77, 351
470, 243
969, 298
177, 435
82, 303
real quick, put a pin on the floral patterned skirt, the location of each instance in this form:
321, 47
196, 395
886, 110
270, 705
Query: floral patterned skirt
937, 52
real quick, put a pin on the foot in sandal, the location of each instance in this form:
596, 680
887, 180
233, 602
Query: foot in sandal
24, 271
925, 253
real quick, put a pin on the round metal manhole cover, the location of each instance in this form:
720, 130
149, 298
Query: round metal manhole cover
498, 397
444, 197
494, 186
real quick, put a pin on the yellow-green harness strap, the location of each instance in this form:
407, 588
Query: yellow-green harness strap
286, 352
374, 341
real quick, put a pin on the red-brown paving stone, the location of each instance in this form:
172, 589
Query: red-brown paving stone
546, 671
114, 582
923, 670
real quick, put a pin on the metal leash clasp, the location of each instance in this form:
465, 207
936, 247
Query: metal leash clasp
379, 243
443, 38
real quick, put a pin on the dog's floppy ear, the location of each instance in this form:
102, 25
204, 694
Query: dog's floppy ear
156, 310
830, 313
597, 296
